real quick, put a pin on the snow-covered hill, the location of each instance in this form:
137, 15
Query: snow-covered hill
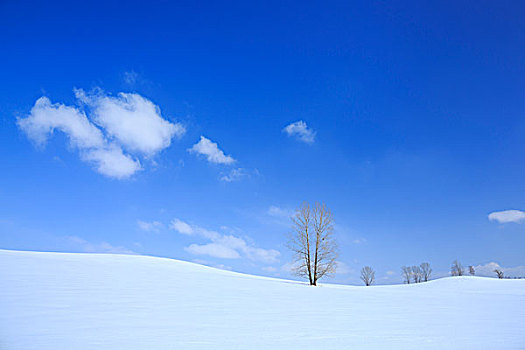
96, 301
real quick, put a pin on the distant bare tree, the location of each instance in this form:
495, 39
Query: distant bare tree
471, 270
407, 274
315, 250
499, 273
417, 274
457, 269
426, 270
368, 275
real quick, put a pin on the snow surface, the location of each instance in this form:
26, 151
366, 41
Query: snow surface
101, 301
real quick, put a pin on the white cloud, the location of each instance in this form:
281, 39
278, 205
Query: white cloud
187, 229
507, 216
213, 249
278, 216
135, 122
234, 175
212, 152
110, 161
223, 267
487, 270
237, 174
102, 247
342, 268
290, 267
150, 226
45, 117
232, 230
300, 131
269, 269
359, 240
130, 77
181, 227
128, 121
217, 266
223, 246
259, 254
201, 262
278, 212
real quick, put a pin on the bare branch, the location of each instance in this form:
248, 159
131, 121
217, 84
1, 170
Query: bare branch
311, 241
417, 274
407, 274
368, 275
426, 271
499, 273
457, 269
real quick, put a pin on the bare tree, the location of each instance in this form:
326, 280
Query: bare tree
312, 241
471, 270
368, 275
407, 274
325, 245
426, 270
499, 273
417, 274
299, 241
457, 269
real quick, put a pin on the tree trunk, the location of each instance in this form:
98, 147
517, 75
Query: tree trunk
308, 261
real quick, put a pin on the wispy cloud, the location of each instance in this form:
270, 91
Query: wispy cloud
181, 227
290, 266
215, 250
487, 270
506, 216
149, 226
192, 230
133, 79
279, 212
238, 174
103, 247
130, 77
234, 175
269, 269
211, 151
342, 268
217, 266
300, 131
226, 246
277, 215
109, 132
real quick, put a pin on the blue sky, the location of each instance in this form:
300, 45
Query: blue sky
193, 131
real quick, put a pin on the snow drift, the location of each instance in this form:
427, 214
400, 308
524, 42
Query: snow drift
98, 301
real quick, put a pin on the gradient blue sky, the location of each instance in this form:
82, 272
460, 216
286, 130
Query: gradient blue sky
416, 114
